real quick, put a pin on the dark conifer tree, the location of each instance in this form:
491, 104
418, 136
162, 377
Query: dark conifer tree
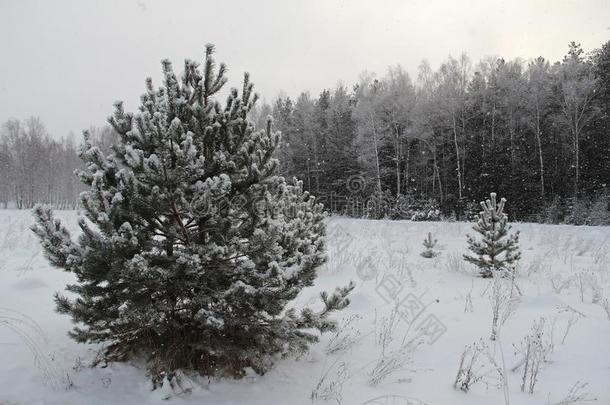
191, 246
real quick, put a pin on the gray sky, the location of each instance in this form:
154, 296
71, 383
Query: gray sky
67, 61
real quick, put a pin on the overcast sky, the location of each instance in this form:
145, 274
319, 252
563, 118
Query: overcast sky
67, 61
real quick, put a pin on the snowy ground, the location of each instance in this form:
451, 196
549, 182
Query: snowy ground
38, 360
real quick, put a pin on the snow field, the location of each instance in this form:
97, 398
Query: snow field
400, 341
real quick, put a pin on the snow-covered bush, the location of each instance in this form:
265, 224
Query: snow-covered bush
573, 317
385, 328
393, 356
345, 336
192, 247
559, 282
414, 209
455, 263
536, 265
426, 210
588, 280
330, 384
553, 212
471, 210
599, 213
578, 212
379, 205
503, 302
392, 361
402, 207
33, 337
468, 306
534, 351
576, 395
605, 304
477, 365
583, 211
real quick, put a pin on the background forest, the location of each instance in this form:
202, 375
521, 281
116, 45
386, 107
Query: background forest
537, 132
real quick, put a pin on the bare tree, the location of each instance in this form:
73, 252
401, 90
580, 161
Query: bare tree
539, 85
453, 78
35, 167
396, 106
367, 96
425, 118
577, 88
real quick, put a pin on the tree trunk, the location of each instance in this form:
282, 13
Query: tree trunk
438, 174
317, 165
396, 130
539, 150
511, 130
576, 160
457, 155
408, 167
376, 152
493, 124
308, 176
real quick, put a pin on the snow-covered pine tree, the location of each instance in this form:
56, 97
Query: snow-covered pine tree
192, 248
497, 250
429, 245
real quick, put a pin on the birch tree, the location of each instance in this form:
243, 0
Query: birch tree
576, 91
453, 79
539, 93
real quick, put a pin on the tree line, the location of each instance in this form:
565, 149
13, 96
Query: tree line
537, 132
35, 167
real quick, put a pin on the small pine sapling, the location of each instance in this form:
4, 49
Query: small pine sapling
429, 245
497, 250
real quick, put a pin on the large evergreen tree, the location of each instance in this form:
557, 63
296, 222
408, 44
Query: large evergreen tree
191, 246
